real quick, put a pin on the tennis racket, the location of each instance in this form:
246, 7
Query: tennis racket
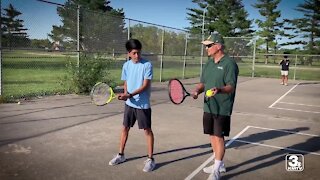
177, 92
102, 94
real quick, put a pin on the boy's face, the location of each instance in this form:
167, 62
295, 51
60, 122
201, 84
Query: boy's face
135, 55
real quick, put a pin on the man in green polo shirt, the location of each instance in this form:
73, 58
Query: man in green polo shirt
219, 76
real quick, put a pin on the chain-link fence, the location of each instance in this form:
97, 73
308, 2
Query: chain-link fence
36, 66
302, 66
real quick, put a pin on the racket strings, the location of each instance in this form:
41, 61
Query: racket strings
101, 94
176, 92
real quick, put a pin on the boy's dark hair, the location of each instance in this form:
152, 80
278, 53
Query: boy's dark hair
133, 44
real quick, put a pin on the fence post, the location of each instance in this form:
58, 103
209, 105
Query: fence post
254, 57
78, 36
201, 57
161, 55
295, 68
0, 53
184, 56
129, 29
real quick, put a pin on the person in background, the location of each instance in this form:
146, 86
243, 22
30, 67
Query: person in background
284, 70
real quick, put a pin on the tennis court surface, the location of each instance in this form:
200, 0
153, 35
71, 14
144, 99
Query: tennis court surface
274, 134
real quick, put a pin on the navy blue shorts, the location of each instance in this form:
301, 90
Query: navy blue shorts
217, 125
131, 115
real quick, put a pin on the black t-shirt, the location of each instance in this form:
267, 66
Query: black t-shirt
285, 65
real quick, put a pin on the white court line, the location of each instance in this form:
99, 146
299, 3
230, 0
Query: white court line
278, 147
298, 104
316, 112
235, 138
195, 172
290, 119
283, 96
291, 132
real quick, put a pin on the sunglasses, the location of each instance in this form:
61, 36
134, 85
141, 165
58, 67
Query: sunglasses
209, 45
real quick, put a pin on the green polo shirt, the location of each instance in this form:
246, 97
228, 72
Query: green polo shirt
220, 74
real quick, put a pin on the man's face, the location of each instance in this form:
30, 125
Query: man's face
135, 55
213, 48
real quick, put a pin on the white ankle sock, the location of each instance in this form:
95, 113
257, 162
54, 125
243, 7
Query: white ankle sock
217, 164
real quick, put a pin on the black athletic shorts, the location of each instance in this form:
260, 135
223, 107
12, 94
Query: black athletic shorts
132, 114
216, 124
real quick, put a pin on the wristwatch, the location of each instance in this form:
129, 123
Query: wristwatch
130, 95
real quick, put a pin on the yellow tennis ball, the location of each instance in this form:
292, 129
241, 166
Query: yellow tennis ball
209, 93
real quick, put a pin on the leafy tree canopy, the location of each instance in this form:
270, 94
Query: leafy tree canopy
228, 17
307, 28
13, 30
96, 19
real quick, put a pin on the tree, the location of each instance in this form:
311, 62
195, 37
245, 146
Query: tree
307, 28
228, 17
40, 43
97, 19
270, 27
13, 31
150, 37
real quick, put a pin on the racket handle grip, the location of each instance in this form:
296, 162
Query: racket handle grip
118, 90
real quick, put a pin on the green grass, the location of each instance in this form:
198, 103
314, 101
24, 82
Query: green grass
27, 74
30, 82
35, 54
273, 71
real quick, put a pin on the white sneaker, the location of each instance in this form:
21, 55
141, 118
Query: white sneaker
282, 83
149, 165
117, 160
214, 176
209, 169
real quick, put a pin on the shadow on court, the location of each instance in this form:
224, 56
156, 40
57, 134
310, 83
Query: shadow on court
267, 135
4, 142
40, 109
273, 158
161, 164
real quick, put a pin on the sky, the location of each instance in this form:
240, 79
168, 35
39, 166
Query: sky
39, 17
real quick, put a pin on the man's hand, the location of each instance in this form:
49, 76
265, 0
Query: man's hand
215, 90
198, 90
194, 95
212, 92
